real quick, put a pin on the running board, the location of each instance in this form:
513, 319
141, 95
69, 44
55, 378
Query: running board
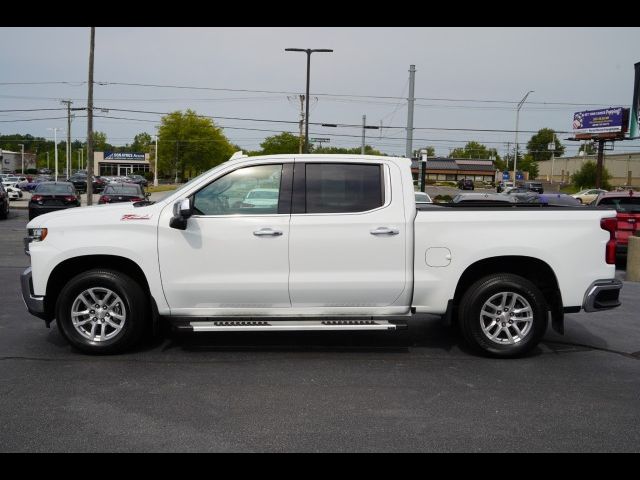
286, 325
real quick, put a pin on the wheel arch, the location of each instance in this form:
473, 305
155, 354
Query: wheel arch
533, 269
70, 267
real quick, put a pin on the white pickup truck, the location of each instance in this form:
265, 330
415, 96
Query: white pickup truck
341, 246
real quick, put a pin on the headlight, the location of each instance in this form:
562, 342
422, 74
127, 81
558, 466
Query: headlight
37, 234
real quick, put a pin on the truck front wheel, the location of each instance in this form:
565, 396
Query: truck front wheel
503, 315
102, 311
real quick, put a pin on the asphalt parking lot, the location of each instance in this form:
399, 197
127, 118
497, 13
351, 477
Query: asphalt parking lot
417, 390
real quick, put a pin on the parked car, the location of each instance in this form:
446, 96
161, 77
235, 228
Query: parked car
422, 198
534, 186
465, 184
559, 199
503, 185
122, 192
139, 179
261, 198
15, 181
14, 193
347, 250
80, 183
4, 203
589, 195
52, 196
627, 205
29, 187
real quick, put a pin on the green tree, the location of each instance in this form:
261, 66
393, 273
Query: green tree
586, 176
141, 142
537, 147
190, 144
368, 150
475, 150
284, 142
528, 164
590, 148
100, 142
431, 151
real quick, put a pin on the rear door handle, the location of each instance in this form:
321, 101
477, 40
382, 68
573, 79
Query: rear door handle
264, 232
385, 231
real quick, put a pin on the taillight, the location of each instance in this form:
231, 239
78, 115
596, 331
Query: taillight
610, 225
104, 199
137, 199
70, 198
36, 198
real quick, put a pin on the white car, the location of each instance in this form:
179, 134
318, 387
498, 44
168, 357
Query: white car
422, 198
589, 195
13, 193
15, 181
262, 197
346, 249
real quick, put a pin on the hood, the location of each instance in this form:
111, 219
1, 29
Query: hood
96, 215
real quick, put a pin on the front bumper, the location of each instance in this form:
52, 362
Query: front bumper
34, 304
602, 295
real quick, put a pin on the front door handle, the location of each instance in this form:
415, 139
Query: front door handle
385, 231
264, 232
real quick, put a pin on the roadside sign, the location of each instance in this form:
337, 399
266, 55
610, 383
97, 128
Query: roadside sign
519, 176
505, 175
321, 140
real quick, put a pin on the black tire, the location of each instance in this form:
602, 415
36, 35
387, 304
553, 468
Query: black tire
136, 306
580, 200
470, 320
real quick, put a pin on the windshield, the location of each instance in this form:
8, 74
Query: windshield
623, 204
122, 190
54, 189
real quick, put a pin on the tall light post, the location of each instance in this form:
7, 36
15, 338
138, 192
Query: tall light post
22, 147
515, 160
155, 169
55, 154
308, 51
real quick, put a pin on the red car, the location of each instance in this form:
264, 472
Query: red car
627, 204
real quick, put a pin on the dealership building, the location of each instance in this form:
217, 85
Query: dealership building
120, 163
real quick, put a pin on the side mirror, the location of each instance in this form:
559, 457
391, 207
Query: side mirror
182, 210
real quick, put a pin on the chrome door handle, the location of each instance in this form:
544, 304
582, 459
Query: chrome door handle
263, 232
385, 231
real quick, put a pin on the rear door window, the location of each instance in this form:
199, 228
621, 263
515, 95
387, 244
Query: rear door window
623, 204
343, 187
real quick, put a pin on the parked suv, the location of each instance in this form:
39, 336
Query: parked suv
534, 187
466, 184
627, 204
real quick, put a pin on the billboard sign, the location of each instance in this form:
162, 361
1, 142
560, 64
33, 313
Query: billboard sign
608, 120
136, 157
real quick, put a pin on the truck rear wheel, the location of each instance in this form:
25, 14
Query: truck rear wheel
503, 315
102, 311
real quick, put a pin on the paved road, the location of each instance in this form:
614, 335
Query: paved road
419, 390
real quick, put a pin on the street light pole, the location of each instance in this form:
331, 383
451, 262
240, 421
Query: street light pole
308, 51
155, 169
22, 147
55, 153
515, 160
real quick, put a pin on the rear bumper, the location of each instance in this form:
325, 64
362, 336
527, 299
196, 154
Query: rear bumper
34, 304
602, 295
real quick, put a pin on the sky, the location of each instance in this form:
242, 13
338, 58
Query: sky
466, 78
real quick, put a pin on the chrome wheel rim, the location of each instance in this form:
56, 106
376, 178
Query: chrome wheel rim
98, 314
506, 318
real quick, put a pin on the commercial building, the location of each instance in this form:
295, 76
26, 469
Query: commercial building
120, 163
624, 168
453, 169
12, 161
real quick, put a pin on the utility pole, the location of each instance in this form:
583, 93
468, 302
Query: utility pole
90, 122
599, 164
302, 97
412, 77
68, 103
176, 179
47, 160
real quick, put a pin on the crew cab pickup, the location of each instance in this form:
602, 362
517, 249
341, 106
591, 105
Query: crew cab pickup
344, 248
